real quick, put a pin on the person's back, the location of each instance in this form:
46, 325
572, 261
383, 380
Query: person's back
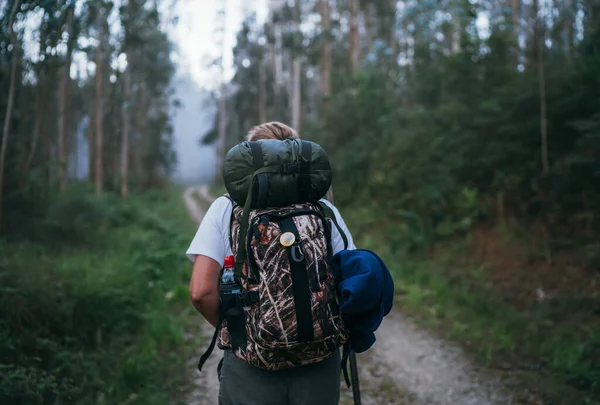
246, 377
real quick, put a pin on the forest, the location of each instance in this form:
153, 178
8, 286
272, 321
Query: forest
464, 137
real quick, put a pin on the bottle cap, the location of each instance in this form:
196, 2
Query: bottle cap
229, 262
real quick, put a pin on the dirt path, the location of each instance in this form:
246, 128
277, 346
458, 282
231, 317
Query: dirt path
409, 366
206, 383
405, 366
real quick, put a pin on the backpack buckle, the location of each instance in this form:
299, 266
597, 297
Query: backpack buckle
289, 168
248, 298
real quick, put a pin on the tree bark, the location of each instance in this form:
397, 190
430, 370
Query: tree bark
456, 33
222, 131
40, 97
63, 106
297, 96
274, 10
354, 39
540, 45
325, 84
296, 67
91, 138
516, 18
125, 129
570, 40
99, 108
11, 97
262, 92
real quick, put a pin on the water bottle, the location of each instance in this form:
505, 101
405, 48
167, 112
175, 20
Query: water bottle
228, 284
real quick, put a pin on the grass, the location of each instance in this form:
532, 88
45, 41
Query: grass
94, 304
552, 346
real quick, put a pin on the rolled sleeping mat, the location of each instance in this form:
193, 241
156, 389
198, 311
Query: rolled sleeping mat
281, 172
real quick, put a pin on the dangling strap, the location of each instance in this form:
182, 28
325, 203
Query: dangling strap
211, 347
345, 355
231, 309
330, 214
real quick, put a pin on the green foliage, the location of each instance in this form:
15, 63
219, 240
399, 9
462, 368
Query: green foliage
438, 133
86, 312
555, 342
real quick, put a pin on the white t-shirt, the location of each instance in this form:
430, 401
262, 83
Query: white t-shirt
212, 237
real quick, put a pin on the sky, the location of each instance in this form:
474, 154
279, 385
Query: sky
201, 36
197, 35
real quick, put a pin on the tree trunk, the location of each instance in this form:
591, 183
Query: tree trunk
262, 92
275, 10
296, 67
11, 97
371, 24
297, 96
354, 40
456, 33
540, 45
99, 110
40, 96
64, 91
222, 131
516, 18
125, 129
514, 7
570, 37
139, 129
325, 84
91, 138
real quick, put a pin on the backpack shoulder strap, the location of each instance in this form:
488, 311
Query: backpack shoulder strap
231, 217
330, 214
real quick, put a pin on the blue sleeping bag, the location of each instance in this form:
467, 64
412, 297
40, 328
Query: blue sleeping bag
367, 294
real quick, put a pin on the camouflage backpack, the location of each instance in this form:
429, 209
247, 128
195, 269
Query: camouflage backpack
285, 312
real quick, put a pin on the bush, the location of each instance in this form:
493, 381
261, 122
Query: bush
83, 313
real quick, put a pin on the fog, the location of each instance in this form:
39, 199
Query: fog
196, 163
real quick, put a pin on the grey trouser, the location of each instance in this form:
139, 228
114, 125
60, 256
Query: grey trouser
244, 384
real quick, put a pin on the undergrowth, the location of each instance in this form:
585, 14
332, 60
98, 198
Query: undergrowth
89, 302
551, 345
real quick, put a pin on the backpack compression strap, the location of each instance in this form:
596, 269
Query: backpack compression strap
330, 214
346, 348
302, 170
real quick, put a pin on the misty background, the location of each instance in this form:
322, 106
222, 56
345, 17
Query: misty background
191, 120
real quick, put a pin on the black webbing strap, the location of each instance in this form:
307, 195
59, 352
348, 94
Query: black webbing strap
304, 175
231, 309
262, 179
219, 367
223, 310
231, 218
330, 214
236, 326
241, 250
302, 294
345, 355
257, 157
211, 347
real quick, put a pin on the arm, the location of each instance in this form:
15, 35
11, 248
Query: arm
204, 288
